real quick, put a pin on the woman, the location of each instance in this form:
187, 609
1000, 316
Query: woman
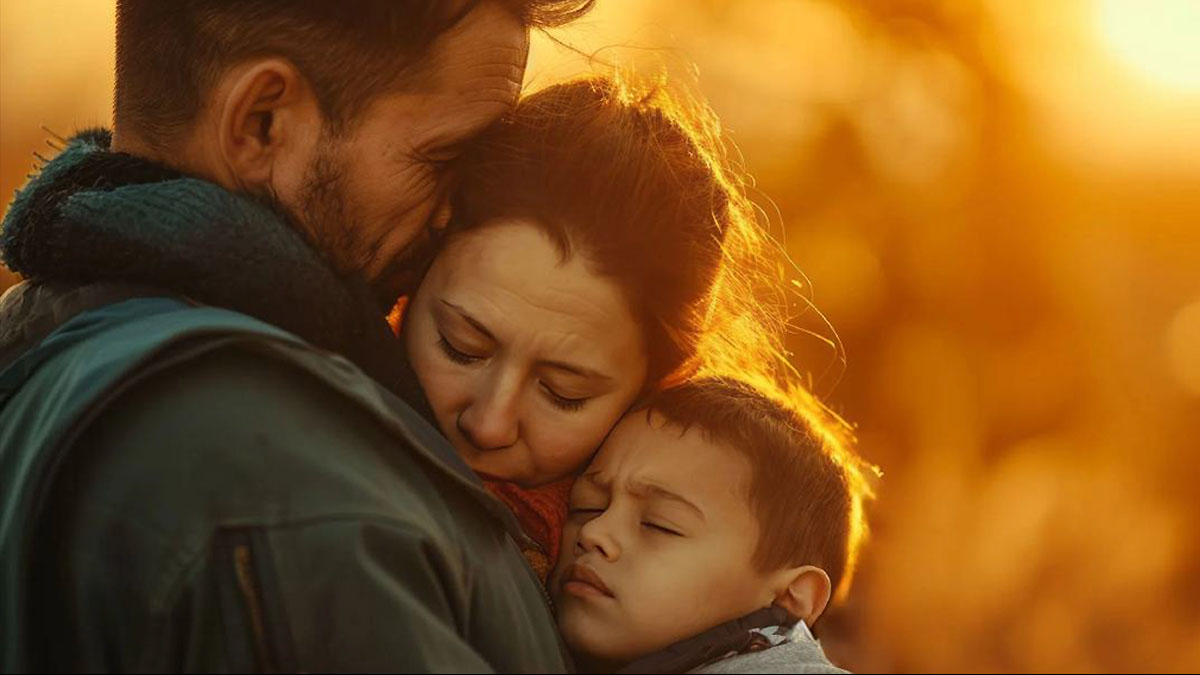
589, 257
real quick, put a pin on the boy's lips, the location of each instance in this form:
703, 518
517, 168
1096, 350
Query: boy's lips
583, 580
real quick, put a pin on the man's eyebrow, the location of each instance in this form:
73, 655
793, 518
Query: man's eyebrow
470, 319
646, 490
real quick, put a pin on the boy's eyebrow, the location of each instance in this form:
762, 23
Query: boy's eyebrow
646, 489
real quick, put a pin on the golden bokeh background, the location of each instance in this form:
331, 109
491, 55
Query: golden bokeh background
997, 203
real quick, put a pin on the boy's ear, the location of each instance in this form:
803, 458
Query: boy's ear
804, 593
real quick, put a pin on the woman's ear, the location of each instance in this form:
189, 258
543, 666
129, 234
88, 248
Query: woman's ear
262, 112
804, 592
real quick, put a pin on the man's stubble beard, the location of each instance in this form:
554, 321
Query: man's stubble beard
324, 215
326, 219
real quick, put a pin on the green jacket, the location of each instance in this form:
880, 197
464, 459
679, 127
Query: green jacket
186, 488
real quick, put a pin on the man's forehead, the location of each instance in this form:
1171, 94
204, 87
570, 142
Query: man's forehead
488, 41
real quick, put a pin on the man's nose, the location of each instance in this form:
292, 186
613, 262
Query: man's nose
491, 421
597, 536
442, 211
440, 217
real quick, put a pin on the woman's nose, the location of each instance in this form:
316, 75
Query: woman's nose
491, 422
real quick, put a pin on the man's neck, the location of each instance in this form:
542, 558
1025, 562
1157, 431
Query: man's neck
183, 156
131, 144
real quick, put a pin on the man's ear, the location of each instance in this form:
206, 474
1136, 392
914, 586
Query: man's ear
259, 116
804, 592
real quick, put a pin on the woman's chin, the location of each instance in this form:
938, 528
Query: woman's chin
496, 474
484, 475
520, 481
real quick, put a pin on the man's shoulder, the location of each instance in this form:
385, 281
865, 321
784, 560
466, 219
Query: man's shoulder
230, 391
239, 478
248, 432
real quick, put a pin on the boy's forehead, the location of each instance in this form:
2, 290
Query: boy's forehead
638, 433
648, 448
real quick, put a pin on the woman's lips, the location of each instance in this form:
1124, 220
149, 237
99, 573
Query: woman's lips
583, 581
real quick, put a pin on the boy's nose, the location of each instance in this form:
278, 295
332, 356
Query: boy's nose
595, 537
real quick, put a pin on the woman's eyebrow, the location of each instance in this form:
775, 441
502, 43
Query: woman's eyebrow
470, 319
560, 365
576, 370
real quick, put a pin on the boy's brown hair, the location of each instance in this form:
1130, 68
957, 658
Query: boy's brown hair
802, 494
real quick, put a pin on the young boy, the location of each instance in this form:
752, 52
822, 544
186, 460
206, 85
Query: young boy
706, 536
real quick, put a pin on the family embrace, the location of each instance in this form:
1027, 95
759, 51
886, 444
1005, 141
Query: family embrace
338, 353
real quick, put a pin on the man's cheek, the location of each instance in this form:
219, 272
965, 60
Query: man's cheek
410, 191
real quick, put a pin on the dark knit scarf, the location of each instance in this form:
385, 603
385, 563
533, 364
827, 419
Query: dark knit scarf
93, 215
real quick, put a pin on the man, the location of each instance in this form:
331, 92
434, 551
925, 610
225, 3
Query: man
190, 478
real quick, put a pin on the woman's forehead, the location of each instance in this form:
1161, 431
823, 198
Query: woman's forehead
512, 279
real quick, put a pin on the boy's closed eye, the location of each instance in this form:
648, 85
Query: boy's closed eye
580, 510
661, 529
655, 526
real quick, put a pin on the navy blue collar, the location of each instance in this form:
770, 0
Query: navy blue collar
734, 637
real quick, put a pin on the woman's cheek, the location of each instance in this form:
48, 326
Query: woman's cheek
564, 442
444, 383
446, 387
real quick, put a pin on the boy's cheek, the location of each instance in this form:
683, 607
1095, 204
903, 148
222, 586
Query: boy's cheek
566, 556
566, 552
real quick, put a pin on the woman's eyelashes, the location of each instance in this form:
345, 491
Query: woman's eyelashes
457, 355
562, 402
463, 358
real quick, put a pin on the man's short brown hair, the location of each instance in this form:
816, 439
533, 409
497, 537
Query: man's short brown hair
806, 496
170, 54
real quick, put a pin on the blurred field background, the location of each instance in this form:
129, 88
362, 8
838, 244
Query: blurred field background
997, 203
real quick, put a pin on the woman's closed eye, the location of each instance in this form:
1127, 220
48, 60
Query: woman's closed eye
455, 354
563, 402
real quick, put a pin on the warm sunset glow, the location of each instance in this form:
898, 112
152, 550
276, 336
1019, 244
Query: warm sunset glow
993, 207
1183, 347
1159, 38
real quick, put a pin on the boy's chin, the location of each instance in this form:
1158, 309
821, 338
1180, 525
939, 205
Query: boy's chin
595, 647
